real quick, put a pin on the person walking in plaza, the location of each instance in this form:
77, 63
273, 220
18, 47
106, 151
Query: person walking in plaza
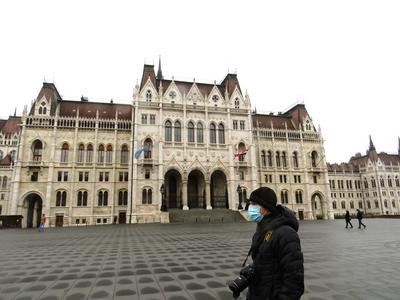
42, 222
275, 249
348, 219
359, 217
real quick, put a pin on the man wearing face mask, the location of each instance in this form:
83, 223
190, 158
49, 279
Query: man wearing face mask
275, 250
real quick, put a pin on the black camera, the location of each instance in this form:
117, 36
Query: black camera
240, 283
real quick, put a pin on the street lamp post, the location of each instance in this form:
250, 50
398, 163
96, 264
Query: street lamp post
239, 190
163, 205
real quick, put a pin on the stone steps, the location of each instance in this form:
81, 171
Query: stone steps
218, 215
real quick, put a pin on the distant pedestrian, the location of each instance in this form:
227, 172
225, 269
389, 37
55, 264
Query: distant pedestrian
348, 219
359, 217
42, 222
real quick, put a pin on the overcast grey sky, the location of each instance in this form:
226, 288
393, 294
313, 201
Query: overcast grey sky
342, 58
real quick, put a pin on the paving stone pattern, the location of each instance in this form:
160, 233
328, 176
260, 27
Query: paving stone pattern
190, 261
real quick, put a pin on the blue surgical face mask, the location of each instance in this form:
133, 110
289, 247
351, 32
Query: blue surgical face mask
254, 213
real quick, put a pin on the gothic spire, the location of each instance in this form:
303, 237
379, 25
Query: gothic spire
371, 144
159, 72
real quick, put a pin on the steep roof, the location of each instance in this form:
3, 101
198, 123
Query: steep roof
89, 110
343, 167
50, 92
6, 161
269, 121
11, 125
229, 83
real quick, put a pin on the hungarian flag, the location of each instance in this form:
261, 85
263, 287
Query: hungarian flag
240, 153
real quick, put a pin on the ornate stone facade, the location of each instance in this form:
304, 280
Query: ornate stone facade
180, 145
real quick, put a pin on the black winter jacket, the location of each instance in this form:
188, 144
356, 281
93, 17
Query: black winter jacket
277, 259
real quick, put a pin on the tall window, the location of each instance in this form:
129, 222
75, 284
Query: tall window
149, 148
200, 138
263, 159
146, 196
299, 197
4, 185
100, 154
343, 204
81, 153
295, 160
37, 150
82, 198
221, 134
148, 96
109, 154
64, 152
237, 102
89, 153
382, 182
284, 164
102, 198
124, 154
284, 197
269, 158
242, 148
360, 204
213, 134
13, 155
190, 132
123, 197
61, 198
168, 131
390, 182
1, 154
314, 157
177, 131
278, 159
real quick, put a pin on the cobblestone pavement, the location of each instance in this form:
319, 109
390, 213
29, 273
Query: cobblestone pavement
190, 261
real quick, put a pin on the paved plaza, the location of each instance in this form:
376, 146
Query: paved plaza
191, 261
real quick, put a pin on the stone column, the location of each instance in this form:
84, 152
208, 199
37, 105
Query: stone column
184, 195
208, 195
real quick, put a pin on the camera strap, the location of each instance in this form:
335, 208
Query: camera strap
248, 254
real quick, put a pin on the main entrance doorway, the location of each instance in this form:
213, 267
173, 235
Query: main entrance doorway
32, 210
196, 190
173, 189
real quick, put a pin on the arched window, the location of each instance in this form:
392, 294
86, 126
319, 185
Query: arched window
343, 205
61, 198
314, 157
242, 149
40, 110
37, 150
1, 154
221, 134
13, 155
64, 152
100, 154
334, 205
147, 196
385, 203
376, 204
89, 153
200, 138
148, 96
382, 182
123, 198
177, 131
109, 154
102, 198
278, 159
368, 204
269, 158
397, 181
82, 198
168, 131
263, 159
351, 204
365, 183
124, 154
213, 134
284, 164
390, 182
237, 103
148, 146
295, 160
81, 153
360, 204
394, 204
299, 197
190, 132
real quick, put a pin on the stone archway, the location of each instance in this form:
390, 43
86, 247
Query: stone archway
318, 208
173, 189
196, 190
32, 210
219, 190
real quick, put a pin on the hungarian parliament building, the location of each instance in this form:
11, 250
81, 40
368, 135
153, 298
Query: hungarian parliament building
178, 145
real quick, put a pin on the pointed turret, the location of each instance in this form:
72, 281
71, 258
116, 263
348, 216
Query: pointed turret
159, 72
371, 144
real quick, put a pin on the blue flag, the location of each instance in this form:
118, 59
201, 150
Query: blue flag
139, 151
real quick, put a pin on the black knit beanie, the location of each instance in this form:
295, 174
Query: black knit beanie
265, 197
